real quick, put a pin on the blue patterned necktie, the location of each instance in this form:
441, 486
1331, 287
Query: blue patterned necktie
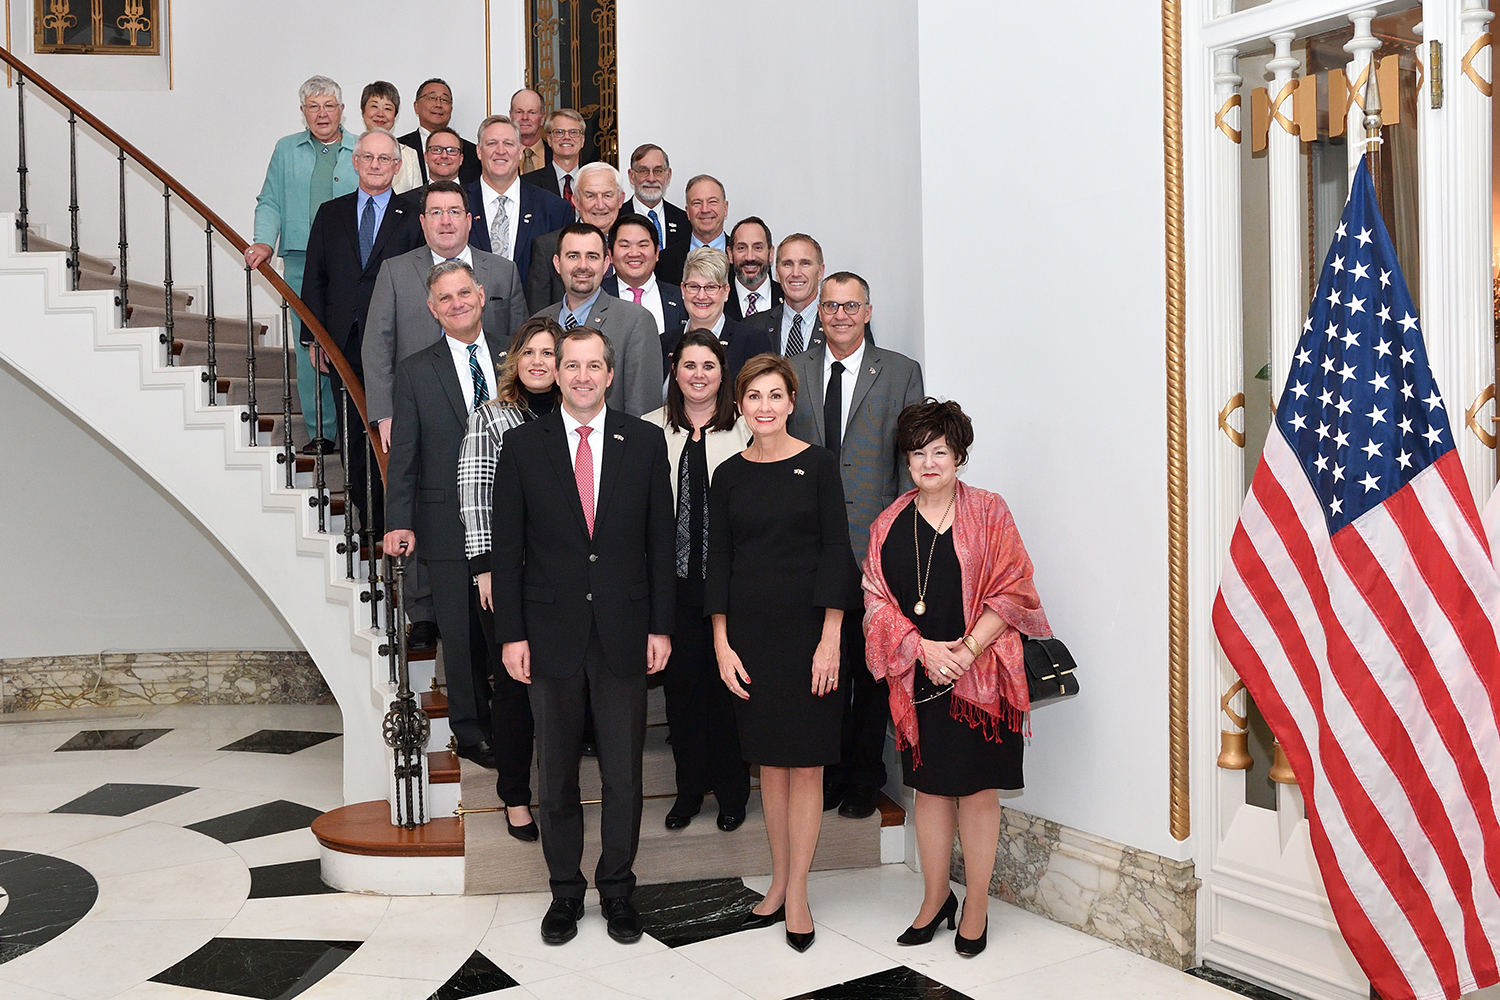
481, 386
366, 232
661, 239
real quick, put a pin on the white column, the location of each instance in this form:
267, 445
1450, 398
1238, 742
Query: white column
1360, 48
1287, 225
1455, 228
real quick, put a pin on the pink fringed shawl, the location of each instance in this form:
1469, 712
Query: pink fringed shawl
996, 575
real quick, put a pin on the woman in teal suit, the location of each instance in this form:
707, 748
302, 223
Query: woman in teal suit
307, 168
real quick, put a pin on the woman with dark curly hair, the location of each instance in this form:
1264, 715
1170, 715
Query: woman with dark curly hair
948, 597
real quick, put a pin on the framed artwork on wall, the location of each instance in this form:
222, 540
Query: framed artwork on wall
112, 27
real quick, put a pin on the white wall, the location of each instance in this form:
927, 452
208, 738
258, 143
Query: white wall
1043, 261
97, 560
808, 114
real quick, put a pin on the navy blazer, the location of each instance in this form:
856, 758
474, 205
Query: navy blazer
674, 314
540, 213
740, 342
674, 220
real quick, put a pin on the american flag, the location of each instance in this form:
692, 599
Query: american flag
1359, 606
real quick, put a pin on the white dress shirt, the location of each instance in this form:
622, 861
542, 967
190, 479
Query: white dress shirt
650, 300
851, 375
762, 296
596, 445
463, 255
512, 196
460, 352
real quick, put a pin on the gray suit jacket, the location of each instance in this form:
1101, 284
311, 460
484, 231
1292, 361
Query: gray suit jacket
400, 324
874, 470
636, 389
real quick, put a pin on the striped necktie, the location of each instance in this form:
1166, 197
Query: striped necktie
481, 384
794, 344
571, 322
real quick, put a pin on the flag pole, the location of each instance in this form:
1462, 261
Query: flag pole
1372, 126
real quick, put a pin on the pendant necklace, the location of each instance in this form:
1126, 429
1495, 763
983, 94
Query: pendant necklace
923, 576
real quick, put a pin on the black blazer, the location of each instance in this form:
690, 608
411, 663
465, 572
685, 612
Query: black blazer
430, 417
741, 343
732, 307
544, 177
335, 286
540, 213
769, 322
468, 171
675, 220
554, 583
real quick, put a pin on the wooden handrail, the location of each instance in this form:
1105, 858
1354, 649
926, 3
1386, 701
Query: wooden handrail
335, 356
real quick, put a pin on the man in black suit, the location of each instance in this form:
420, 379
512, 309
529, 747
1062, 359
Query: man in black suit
434, 107
707, 208
526, 112
650, 173
351, 236
597, 202
436, 390
585, 573
794, 324
509, 215
632, 248
750, 259
705, 288
565, 134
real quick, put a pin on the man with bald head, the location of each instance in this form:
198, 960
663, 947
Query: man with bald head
707, 208
526, 112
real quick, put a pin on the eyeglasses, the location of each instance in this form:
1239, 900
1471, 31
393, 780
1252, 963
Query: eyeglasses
571, 133
443, 150
697, 289
382, 159
832, 308
436, 99
451, 213
651, 171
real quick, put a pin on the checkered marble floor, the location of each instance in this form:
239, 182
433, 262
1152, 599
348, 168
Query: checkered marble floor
164, 854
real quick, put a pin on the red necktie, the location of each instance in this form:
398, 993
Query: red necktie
637, 293
583, 471
568, 188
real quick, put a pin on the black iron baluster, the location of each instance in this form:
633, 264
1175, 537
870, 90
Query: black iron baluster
252, 413
288, 457
124, 250
389, 649
406, 726
346, 456
319, 499
371, 470
212, 375
168, 338
22, 220
73, 193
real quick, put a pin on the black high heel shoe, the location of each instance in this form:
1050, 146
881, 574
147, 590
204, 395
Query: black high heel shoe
755, 920
922, 935
969, 947
801, 942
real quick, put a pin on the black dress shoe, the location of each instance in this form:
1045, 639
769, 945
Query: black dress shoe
480, 753
422, 635
922, 935
624, 921
859, 802
560, 925
529, 833
833, 794
316, 445
755, 920
731, 821
969, 947
683, 811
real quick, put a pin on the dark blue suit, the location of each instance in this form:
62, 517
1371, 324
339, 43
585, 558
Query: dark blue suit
540, 213
674, 314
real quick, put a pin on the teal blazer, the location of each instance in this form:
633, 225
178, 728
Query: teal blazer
282, 219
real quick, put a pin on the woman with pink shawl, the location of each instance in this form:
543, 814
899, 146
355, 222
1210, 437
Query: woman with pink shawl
948, 596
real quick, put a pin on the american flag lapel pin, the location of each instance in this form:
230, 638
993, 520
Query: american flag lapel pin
872, 371
619, 437
526, 217
798, 472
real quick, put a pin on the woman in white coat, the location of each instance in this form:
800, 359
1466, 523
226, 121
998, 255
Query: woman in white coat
702, 430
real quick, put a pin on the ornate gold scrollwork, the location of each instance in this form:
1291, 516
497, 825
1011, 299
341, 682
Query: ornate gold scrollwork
1236, 402
1485, 87
59, 19
1224, 126
132, 20
1484, 436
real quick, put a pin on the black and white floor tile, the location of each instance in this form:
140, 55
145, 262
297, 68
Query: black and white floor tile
166, 856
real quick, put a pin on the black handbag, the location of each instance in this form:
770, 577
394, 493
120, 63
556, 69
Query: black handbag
1049, 670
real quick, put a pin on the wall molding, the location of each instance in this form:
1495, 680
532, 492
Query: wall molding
1141, 901
211, 677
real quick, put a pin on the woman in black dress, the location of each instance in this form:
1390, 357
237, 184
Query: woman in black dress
948, 595
780, 574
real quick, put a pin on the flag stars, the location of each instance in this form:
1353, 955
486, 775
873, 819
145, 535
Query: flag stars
1405, 425
1340, 439
1326, 397
1299, 422
1371, 448
1333, 296
1321, 463
1380, 381
1408, 323
1337, 507
1384, 313
1307, 327
1369, 482
1328, 365
1351, 339
1433, 435
1407, 354
1376, 415
1338, 264
1340, 232
1383, 348
1323, 430
1356, 305
1342, 406
1404, 458
1360, 271
1433, 401
1338, 473
1385, 278
1363, 237
1303, 357
1346, 372
1300, 390
1406, 392
1332, 331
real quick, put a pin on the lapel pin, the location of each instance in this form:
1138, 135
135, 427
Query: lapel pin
799, 472
872, 371
619, 437
526, 217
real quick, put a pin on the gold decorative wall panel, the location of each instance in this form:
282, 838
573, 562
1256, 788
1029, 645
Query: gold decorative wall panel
570, 61
114, 27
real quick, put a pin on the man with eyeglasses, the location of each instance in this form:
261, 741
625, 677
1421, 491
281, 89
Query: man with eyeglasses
597, 202
509, 215
444, 155
526, 112
434, 107
351, 237
707, 208
852, 393
565, 134
650, 174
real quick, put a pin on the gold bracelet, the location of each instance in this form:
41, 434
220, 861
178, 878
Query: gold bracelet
974, 646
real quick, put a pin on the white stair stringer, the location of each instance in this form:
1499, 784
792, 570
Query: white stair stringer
68, 345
